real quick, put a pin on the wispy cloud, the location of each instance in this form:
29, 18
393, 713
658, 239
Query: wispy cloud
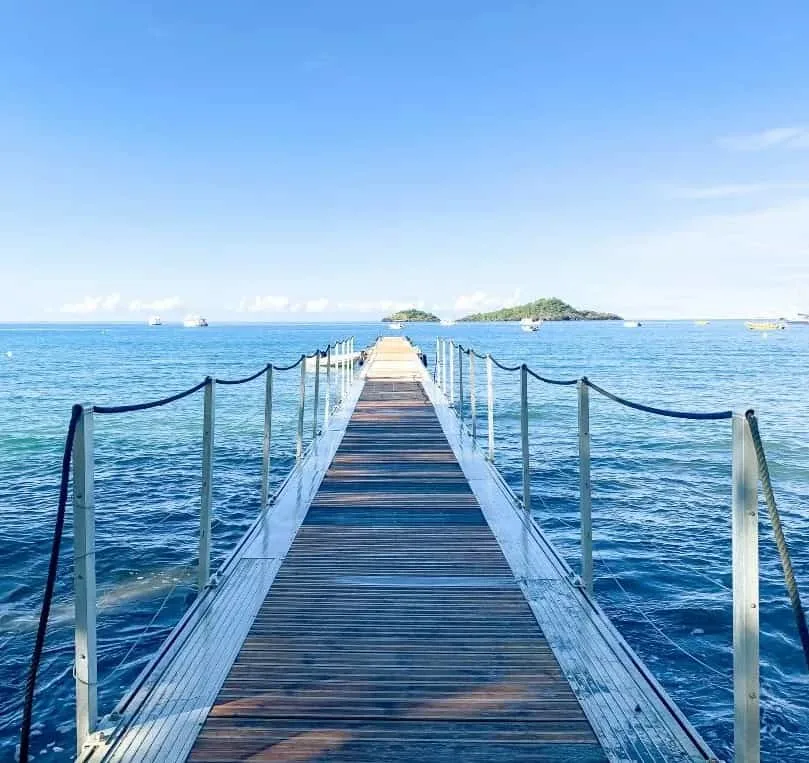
268, 304
163, 304
787, 137
732, 190
316, 305
481, 300
93, 305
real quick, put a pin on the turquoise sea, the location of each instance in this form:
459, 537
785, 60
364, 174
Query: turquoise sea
661, 490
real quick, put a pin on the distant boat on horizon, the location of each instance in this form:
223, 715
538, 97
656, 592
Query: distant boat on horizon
801, 319
701, 323
394, 325
766, 325
529, 324
194, 322
155, 320
632, 324
447, 322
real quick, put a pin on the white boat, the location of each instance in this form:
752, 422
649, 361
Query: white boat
394, 325
802, 319
194, 322
447, 322
632, 324
155, 320
529, 324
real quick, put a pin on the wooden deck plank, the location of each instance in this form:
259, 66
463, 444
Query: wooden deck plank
395, 628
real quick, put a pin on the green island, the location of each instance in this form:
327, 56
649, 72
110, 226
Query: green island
547, 309
411, 316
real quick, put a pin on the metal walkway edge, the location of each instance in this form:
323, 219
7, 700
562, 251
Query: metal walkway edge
395, 605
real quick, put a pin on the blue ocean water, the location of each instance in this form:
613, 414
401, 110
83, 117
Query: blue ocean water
661, 490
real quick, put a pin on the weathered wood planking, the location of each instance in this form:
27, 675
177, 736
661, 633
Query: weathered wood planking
394, 629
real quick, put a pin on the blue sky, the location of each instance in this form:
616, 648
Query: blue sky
330, 160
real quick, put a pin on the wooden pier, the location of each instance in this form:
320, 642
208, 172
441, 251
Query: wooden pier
395, 603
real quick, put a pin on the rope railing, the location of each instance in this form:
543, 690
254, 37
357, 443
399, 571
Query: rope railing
749, 469
78, 452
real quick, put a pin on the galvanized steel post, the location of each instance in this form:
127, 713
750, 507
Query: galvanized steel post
490, 403
301, 404
204, 569
460, 383
472, 401
316, 401
585, 494
438, 361
327, 396
526, 470
265, 455
746, 690
452, 372
84, 578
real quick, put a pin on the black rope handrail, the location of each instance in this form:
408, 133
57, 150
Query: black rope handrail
152, 403
291, 366
50, 582
713, 416
503, 366
780, 539
246, 378
558, 382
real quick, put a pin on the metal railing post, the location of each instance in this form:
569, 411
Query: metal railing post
526, 470
316, 399
84, 579
301, 403
460, 383
438, 361
585, 490
490, 403
444, 366
452, 372
472, 401
265, 454
208, 421
746, 691
327, 396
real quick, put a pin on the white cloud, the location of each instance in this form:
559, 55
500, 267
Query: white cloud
316, 305
790, 137
93, 305
481, 300
732, 190
163, 304
268, 304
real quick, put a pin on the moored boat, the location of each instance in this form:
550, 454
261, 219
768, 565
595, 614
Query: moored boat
765, 325
155, 320
802, 319
632, 324
394, 325
194, 322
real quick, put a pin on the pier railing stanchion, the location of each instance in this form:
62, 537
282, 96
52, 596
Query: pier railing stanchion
585, 490
746, 730
208, 423
316, 399
526, 469
452, 373
444, 366
460, 383
472, 400
327, 396
265, 453
490, 403
84, 578
301, 403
